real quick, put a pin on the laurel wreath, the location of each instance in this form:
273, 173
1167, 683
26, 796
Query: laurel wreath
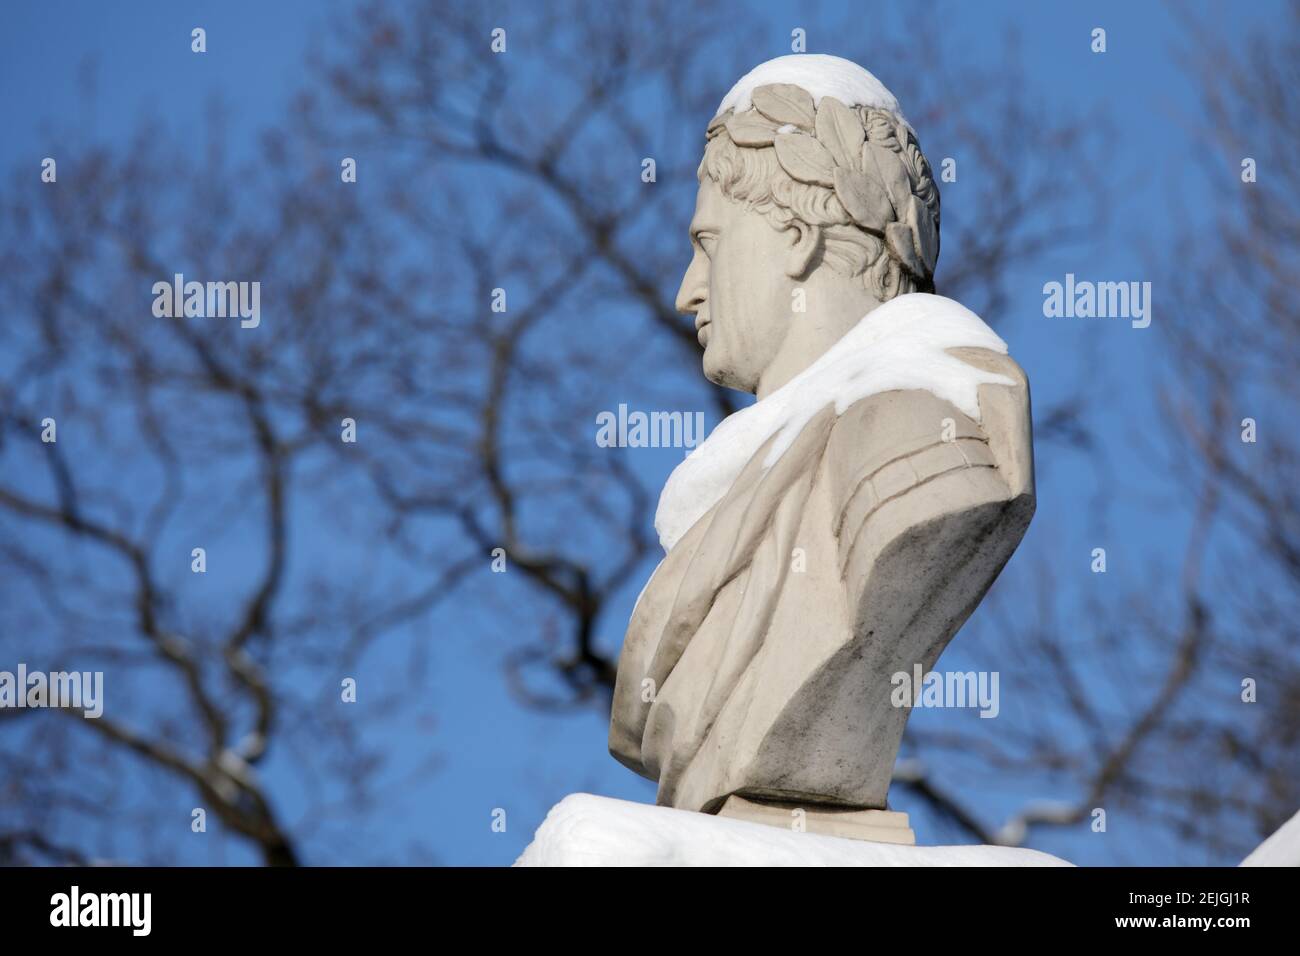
869, 158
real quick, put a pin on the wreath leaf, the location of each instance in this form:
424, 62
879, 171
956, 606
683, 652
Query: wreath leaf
863, 198
748, 130
924, 234
784, 103
840, 131
892, 174
899, 235
805, 159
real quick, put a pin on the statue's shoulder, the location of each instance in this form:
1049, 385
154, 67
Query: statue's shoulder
890, 443
999, 363
881, 429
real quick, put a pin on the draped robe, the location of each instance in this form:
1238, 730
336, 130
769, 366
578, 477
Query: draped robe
838, 535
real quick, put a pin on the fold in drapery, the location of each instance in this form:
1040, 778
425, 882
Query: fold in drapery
746, 539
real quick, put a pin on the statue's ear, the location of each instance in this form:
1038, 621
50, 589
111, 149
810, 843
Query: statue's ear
807, 243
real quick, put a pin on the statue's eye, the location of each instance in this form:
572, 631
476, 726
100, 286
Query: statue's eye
707, 241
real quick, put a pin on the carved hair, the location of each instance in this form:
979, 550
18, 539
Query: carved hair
857, 173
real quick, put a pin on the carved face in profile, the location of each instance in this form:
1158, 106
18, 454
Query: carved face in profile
832, 199
740, 285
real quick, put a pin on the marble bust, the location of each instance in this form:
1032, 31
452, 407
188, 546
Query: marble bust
844, 526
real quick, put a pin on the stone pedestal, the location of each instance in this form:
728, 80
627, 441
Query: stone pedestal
585, 830
878, 826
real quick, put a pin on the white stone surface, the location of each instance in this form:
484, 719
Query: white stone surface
843, 528
586, 830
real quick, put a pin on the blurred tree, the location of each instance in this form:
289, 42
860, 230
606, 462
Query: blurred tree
591, 255
1192, 729
518, 171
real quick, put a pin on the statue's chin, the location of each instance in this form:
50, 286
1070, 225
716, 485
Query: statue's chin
720, 372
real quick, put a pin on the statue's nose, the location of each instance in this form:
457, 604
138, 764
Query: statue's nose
690, 303
694, 289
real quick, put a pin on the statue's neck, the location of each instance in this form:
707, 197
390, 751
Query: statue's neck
809, 338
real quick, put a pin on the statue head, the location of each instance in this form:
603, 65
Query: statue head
813, 192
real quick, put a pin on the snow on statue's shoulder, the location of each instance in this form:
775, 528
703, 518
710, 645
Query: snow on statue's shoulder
818, 73
586, 830
901, 345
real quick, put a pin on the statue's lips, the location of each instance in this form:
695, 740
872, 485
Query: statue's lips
702, 333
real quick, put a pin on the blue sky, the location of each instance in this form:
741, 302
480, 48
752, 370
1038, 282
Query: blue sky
492, 752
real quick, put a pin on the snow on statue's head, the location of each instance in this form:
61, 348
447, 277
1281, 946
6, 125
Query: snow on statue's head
815, 201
